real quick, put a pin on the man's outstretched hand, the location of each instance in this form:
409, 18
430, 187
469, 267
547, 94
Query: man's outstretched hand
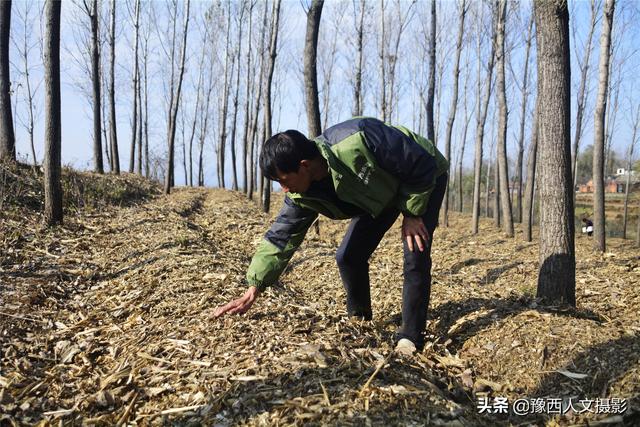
239, 305
414, 229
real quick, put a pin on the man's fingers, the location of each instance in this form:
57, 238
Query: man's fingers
410, 242
420, 245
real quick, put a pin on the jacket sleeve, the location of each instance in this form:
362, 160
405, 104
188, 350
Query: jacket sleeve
412, 159
279, 244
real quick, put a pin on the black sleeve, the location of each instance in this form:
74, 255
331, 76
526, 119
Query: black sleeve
290, 220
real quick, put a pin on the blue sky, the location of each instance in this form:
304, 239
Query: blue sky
288, 108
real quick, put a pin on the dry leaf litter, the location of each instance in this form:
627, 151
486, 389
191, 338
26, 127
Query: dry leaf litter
108, 320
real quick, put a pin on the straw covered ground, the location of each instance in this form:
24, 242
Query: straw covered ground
108, 320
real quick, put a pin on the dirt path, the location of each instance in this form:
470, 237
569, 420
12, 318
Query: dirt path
108, 320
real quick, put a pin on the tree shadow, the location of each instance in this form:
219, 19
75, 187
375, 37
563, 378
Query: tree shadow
493, 273
496, 309
455, 268
603, 364
400, 393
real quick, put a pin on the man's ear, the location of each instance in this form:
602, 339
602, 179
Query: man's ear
304, 163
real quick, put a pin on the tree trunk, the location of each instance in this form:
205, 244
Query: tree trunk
556, 279
176, 103
636, 123
134, 120
531, 178
505, 193
598, 131
357, 85
523, 114
96, 82
234, 182
454, 103
115, 157
256, 112
481, 117
247, 107
7, 137
310, 72
463, 143
582, 91
52, 112
222, 145
266, 190
432, 75
497, 190
381, 54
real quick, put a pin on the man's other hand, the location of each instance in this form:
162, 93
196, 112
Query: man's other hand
240, 305
413, 229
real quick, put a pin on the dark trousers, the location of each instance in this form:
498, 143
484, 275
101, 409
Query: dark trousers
362, 238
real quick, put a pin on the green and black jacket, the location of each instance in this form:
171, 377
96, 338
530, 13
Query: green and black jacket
373, 166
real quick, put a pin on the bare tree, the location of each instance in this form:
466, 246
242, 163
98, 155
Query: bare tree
582, 90
52, 133
481, 117
524, 88
454, 101
531, 177
7, 137
505, 194
357, 80
463, 139
24, 47
135, 80
431, 135
556, 279
115, 157
93, 13
632, 143
172, 124
222, 144
598, 143
234, 120
381, 55
310, 73
273, 50
247, 103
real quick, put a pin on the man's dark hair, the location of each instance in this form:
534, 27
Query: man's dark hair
284, 151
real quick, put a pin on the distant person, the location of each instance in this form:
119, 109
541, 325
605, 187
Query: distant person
587, 226
371, 172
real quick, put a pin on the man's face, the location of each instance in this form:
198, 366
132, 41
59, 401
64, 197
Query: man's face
296, 182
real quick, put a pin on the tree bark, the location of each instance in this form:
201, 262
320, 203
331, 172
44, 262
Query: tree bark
636, 123
310, 72
234, 124
599, 238
266, 190
481, 117
115, 157
529, 190
247, 107
505, 193
52, 114
222, 145
432, 75
582, 91
523, 114
134, 120
556, 279
454, 103
96, 83
176, 104
357, 80
7, 136
381, 54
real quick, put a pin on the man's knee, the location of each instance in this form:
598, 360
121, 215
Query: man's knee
346, 258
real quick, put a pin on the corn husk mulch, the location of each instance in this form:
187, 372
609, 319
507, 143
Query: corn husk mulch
109, 320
